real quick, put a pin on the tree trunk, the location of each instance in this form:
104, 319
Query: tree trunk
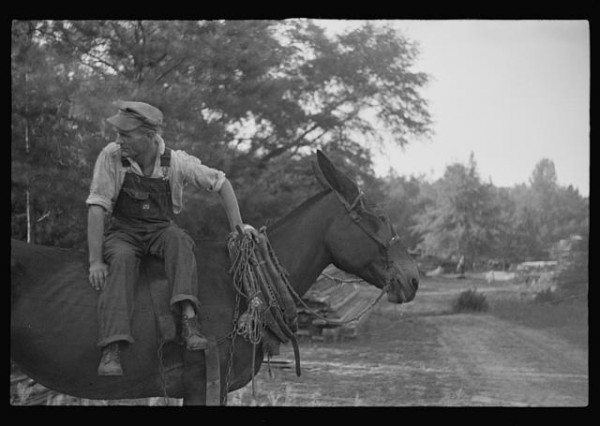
27, 207
28, 213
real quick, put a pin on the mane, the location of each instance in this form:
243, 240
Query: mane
298, 210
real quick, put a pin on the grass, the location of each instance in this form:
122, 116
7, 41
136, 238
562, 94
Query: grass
281, 397
550, 309
558, 312
27, 392
567, 319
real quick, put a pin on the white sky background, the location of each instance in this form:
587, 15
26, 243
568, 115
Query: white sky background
511, 92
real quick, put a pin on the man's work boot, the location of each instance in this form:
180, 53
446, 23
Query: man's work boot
110, 364
194, 340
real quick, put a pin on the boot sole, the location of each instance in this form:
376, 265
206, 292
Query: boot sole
196, 347
110, 372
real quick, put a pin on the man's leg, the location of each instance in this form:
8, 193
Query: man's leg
115, 303
176, 247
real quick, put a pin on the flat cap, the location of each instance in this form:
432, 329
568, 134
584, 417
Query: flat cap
132, 115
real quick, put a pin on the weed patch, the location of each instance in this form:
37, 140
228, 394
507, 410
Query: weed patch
470, 300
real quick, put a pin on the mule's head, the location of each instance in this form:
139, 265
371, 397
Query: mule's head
362, 241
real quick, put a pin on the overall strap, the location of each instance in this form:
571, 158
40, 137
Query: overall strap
165, 159
165, 162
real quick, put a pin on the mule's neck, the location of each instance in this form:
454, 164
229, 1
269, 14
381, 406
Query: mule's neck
299, 241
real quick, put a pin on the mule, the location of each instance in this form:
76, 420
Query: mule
53, 307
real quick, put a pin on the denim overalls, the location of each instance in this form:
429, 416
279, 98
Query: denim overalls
141, 224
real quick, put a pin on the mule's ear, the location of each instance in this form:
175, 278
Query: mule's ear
319, 175
336, 179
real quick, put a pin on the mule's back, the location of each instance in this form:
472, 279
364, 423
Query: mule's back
54, 327
53, 312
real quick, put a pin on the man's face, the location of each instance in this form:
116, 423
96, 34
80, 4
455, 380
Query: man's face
134, 143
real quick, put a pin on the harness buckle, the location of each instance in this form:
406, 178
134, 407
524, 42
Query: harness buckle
355, 216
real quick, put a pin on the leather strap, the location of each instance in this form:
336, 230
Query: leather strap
358, 220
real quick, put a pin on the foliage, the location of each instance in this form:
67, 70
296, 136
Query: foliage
544, 213
253, 98
470, 300
457, 220
405, 202
553, 205
518, 234
459, 214
546, 295
48, 155
572, 277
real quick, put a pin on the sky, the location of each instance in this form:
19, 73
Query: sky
510, 92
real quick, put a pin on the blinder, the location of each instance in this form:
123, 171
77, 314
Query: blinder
384, 245
356, 218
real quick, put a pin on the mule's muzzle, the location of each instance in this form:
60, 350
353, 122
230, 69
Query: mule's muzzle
415, 283
402, 290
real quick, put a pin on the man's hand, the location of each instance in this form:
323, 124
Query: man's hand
98, 273
247, 230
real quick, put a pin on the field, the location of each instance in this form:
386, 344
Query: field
517, 353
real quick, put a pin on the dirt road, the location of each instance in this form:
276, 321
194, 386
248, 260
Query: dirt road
422, 354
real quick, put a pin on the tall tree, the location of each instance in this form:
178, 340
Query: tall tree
548, 211
459, 221
515, 229
544, 192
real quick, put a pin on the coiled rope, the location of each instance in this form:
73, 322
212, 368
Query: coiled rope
260, 280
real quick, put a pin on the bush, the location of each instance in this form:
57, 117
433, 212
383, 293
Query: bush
470, 300
573, 272
546, 296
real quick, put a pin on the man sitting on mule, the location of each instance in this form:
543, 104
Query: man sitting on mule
139, 182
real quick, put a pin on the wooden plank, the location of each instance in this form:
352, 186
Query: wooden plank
352, 310
343, 298
337, 296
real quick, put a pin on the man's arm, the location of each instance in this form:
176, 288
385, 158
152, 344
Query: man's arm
98, 269
232, 208
204, 177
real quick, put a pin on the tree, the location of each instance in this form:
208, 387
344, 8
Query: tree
404, 203
244, 96
547, 212
516, 228
544, 192
461, 218
47, 153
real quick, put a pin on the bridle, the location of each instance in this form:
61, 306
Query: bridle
357, 219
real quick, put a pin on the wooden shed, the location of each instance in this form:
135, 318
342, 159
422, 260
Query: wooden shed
331, 307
